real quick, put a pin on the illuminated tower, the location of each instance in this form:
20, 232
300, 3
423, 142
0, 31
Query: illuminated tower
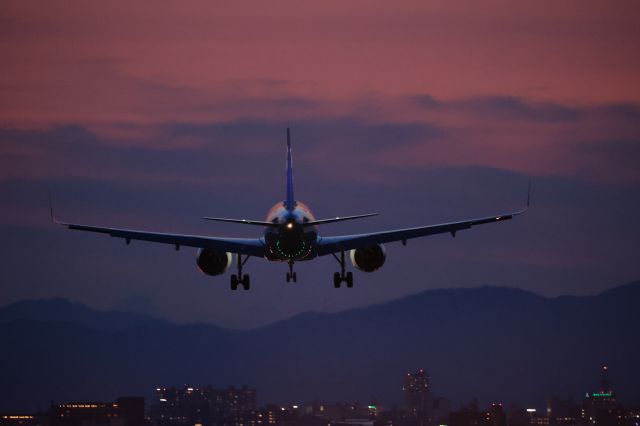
605, 384
601, 408
417, 391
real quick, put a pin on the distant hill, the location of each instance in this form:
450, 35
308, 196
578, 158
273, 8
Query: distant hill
62, 310
499, 344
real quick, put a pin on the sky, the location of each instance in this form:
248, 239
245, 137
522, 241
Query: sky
152, 117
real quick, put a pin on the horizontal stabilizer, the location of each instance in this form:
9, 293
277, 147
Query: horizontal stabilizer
245, 221
338, 219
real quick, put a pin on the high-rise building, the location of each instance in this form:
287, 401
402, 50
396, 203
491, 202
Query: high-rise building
233, 406
601, 408
495, 415
419, 399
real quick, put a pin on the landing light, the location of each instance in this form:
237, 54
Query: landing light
289, 225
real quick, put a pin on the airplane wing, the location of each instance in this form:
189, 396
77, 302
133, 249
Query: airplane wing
246, 246
329, 245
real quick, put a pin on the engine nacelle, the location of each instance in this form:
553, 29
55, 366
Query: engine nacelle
213, 262
368, 259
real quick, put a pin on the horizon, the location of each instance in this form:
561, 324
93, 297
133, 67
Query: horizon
328, 313
302, 313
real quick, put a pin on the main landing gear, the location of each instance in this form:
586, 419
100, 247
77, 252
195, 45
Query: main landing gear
291, 276
242, 279
339, 277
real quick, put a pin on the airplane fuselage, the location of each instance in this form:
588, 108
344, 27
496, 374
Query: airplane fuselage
291, 240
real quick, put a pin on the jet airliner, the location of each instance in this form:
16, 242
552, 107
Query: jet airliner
291, 235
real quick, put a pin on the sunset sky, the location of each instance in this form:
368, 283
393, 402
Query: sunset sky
154, 114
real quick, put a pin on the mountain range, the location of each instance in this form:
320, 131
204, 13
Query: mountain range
494, 343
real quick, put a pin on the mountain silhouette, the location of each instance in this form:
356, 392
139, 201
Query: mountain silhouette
63, 310
494, 343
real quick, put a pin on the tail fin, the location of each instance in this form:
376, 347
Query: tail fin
289, 202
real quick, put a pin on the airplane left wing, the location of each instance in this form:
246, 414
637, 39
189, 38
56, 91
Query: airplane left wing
245, 246
329, 245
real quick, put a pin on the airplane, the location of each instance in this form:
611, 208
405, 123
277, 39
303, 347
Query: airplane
291, 235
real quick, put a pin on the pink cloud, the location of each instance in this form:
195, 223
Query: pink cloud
94, 63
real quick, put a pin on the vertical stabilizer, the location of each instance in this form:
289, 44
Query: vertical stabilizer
289, 202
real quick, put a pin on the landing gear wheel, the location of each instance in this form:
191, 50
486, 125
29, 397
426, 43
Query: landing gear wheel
234, 282
246, 282
337, 279
291, 276
349, 279
240, 278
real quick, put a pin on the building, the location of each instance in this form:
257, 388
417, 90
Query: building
235, 406
418, 396
601, 408
563, 412
205, 406
126, 411
21, 419
494, 415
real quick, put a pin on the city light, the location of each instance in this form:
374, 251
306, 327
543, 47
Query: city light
183, 406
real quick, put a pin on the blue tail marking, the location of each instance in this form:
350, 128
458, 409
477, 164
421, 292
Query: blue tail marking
289, 202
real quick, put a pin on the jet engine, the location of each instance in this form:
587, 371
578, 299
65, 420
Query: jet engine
369, 259
213, 262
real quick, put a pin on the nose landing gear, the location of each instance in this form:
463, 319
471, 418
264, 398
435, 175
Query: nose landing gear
291, 276
240, 278
339, 277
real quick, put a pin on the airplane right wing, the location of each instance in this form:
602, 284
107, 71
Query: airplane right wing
329, 245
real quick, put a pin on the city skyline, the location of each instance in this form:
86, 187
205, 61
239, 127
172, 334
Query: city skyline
210, 406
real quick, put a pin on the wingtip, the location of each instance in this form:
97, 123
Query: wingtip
52, 215
528, 199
